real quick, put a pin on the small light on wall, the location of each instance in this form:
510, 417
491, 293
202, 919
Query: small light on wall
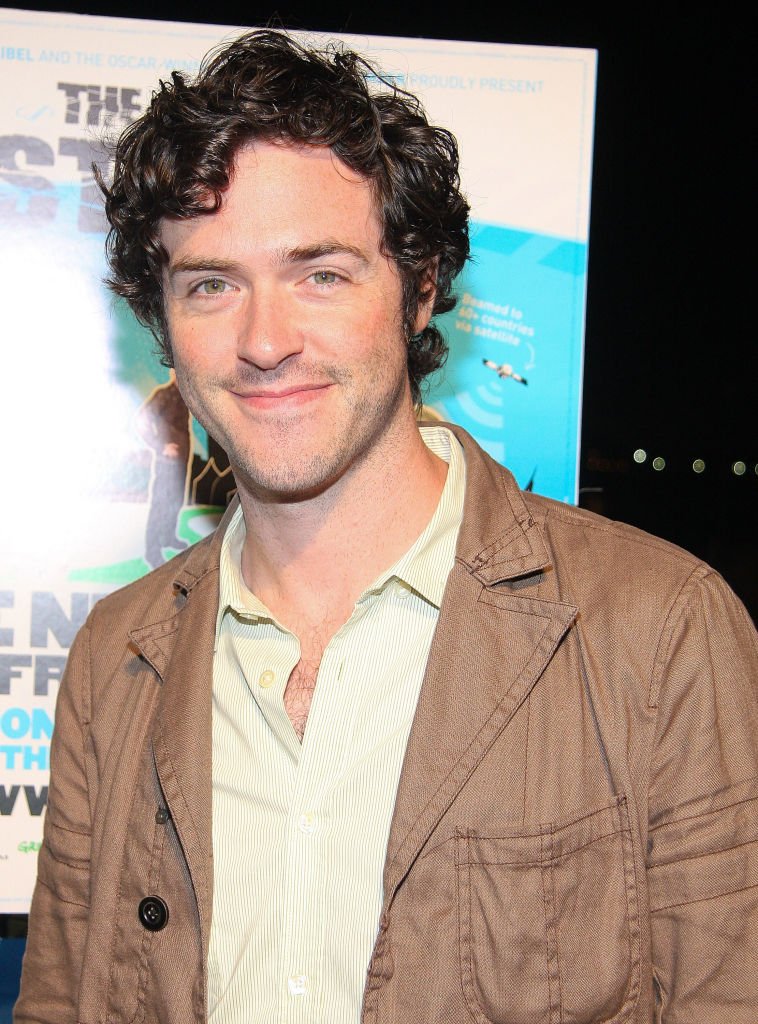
739, 468
640, 455
698, 466
659, 463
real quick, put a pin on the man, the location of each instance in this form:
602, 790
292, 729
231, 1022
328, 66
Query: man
399, 743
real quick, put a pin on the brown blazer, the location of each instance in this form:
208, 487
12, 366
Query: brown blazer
574, 837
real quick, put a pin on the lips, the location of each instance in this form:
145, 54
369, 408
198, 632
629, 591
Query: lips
282, 396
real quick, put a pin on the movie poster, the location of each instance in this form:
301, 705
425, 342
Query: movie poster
106, 475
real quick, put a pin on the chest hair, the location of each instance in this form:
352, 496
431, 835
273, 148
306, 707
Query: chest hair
298, 693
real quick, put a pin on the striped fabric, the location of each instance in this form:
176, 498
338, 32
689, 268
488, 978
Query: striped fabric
300, 831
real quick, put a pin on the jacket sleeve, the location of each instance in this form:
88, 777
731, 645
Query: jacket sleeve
60, 906
703, 810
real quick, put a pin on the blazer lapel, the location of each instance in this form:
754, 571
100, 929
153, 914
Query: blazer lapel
182, 737
490, 647
180, 650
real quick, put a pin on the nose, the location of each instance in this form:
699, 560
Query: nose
267, 334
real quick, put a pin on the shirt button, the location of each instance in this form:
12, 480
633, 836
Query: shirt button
297, 985
307, 823
266, 678
402, 592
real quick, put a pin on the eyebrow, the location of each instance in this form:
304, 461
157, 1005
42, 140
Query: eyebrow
200, 264
308, 253
285, 257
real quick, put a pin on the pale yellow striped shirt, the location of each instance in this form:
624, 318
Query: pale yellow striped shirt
300, 831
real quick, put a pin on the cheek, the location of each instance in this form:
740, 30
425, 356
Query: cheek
186, 374
197, 371
195, 349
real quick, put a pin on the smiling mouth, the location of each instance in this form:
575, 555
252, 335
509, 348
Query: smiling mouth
291, 395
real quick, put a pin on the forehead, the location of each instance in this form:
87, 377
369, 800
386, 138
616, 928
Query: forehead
285, 195
268, 163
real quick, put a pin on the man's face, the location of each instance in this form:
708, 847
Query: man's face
285, 322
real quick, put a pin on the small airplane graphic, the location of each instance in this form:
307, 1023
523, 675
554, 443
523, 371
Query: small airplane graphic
504, 370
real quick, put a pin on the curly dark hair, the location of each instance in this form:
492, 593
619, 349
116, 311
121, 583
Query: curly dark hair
176, 160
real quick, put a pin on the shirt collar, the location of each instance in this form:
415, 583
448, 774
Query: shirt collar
233, 594
426, 565
423, 568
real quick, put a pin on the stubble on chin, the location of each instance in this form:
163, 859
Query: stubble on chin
301, 460
290, 458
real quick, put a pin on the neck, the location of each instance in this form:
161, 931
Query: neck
309, 560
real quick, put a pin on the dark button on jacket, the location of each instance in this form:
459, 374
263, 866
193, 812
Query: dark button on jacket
153, 913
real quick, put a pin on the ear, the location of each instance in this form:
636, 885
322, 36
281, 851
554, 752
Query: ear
426, 299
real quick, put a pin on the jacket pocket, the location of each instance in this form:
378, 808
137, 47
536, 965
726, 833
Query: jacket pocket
549, 922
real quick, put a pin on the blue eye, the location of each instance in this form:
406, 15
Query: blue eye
325, 277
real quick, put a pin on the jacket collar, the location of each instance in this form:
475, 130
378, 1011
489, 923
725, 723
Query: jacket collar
499, 540
204, 557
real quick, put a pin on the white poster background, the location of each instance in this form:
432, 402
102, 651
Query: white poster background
76, 368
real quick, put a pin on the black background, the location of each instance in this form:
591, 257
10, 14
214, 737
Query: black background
669, 345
